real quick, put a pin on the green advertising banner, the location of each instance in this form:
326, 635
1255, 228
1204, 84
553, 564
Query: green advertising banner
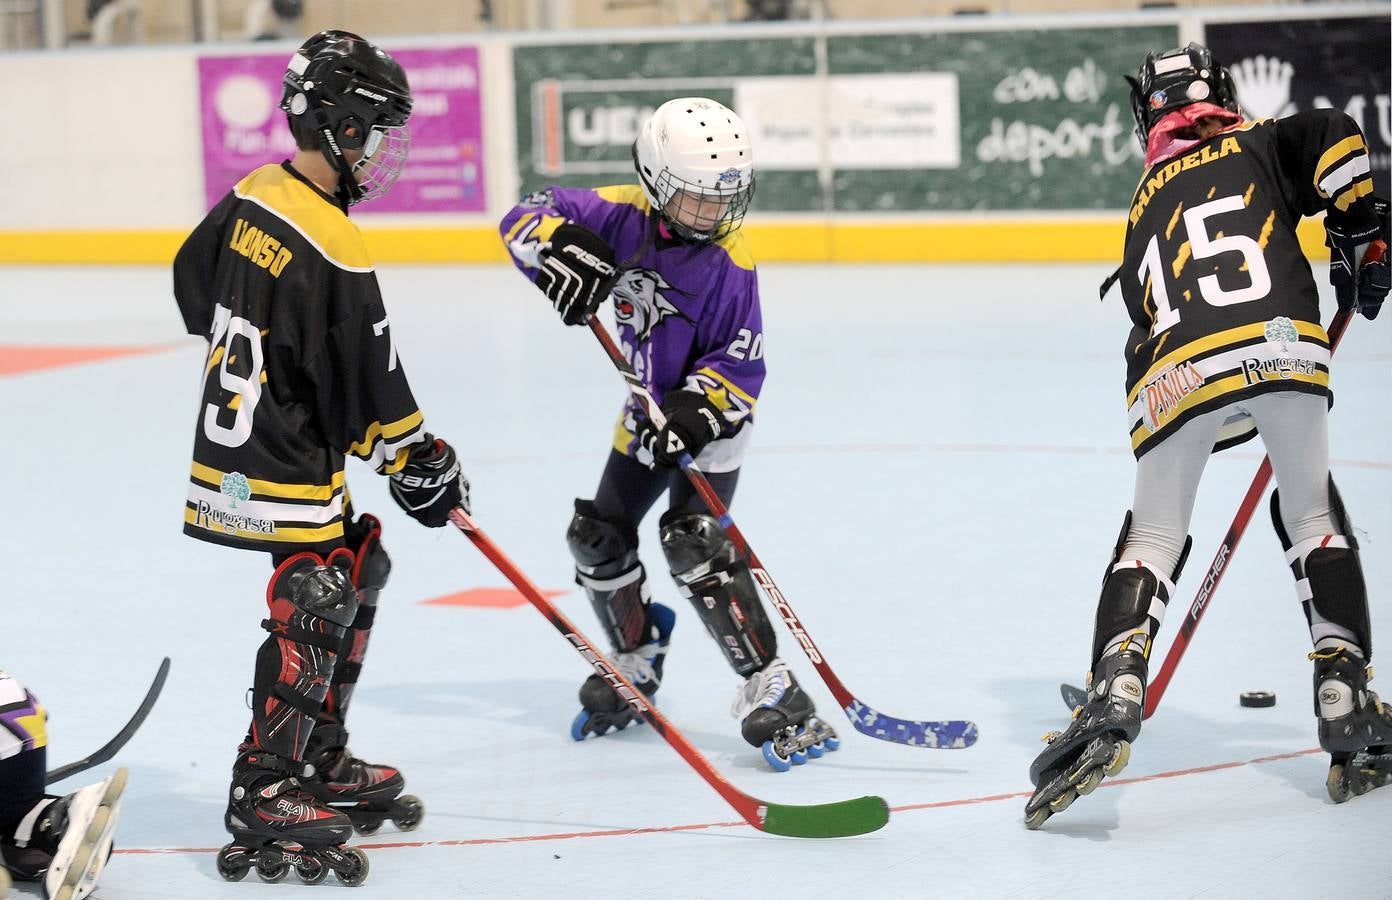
995, 120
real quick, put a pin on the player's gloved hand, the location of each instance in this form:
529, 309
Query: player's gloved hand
1372, 266
431, 483
577, 271
692, 423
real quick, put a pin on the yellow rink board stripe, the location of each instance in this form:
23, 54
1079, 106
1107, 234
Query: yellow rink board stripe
897, 240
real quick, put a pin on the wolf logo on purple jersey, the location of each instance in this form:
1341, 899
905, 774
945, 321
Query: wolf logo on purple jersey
640, 304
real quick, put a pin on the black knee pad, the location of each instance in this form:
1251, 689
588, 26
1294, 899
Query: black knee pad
1330, 579
311, 587
602, 547
711, 574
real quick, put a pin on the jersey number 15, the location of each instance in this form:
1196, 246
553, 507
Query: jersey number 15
1202, 246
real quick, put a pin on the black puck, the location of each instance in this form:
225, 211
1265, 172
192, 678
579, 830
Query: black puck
1257, 699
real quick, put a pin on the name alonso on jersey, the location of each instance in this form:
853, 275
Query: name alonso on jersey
259, 247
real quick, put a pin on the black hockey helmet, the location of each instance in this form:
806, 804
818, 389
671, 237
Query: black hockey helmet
1171, 79
355, 96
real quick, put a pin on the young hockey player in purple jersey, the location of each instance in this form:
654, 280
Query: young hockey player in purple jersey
668, 250
1226, 343
62, 842
302, 371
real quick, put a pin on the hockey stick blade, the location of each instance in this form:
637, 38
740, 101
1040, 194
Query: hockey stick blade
951, 734
844, 819
113, 746
1073, 696
933, 735
826, 820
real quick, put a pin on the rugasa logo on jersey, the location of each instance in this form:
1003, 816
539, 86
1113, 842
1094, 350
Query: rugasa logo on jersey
259, 247
1163, 176
1164, 393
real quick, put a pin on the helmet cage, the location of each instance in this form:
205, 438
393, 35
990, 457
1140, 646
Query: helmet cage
384, 156
697, 212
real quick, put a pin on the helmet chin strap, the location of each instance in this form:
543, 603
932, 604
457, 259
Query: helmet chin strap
347, 192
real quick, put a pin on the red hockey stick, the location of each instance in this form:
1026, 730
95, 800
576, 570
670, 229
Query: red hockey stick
940, 735
843, 819
1223, 557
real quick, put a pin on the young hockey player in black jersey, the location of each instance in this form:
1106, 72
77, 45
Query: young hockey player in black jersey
1226, 343
62, 842
687, 304
302, 371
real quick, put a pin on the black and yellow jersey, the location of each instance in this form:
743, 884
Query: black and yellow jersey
301, 370
1221, 298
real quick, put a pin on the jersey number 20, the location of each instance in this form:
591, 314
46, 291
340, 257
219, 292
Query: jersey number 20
1202, 247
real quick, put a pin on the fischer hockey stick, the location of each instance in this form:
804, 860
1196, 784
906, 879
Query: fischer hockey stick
111, 747
1221, 560
938, 735
826, 820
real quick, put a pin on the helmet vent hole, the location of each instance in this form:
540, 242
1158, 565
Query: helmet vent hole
710, 140
713, 156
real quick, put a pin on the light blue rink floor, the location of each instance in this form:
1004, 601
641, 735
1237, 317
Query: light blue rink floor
939, 474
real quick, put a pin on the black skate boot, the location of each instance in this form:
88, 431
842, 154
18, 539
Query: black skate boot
269, 809
367, 793
1355, 727
65, 842
1096, 743
601, 708
780, 719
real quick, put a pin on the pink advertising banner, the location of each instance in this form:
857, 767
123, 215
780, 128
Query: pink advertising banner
243, 127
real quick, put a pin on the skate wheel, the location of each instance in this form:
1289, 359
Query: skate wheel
831, 744
1063, 801
353, 870
367, 828
312, 871
413, 810
1089, 782
1121, 755
1337, 785
271, 870
816, 750
776, 762
232, 863
577, 727
798, 757
1037, 818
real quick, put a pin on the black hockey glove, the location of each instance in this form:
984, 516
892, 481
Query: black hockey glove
1374, 276
431, 483
692, 423
577, 271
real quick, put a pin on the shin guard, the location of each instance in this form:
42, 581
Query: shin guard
711, 574
312, 601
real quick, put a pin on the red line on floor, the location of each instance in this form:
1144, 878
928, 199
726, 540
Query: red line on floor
664, 829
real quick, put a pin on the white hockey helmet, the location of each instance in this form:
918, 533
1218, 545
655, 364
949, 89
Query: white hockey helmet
696, 164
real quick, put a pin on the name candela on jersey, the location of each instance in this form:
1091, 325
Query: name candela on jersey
301, 368
1222, 301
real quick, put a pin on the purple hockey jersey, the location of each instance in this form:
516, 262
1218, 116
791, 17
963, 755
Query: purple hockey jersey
688, 314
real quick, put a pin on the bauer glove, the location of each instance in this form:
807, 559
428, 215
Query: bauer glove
431, 483
692, 423
577, 271
1369, 289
